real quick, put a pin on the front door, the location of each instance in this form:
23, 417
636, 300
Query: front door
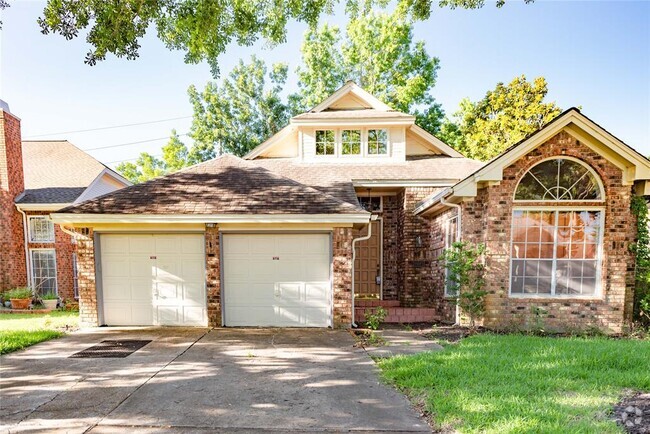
367, 265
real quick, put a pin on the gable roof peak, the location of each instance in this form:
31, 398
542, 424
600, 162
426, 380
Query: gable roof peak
351, 88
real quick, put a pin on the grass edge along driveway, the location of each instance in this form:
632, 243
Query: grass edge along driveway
523, 384
18, 331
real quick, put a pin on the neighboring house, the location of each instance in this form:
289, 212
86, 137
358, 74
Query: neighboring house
354, 198
37, 178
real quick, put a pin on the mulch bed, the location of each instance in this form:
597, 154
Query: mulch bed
633, 413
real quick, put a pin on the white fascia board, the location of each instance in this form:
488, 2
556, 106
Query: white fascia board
284, 132
362, 122
435, 142
431, 201
90, 219
41, 206
361, 183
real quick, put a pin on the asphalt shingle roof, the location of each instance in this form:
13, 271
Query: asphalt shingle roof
56, 171
224, 185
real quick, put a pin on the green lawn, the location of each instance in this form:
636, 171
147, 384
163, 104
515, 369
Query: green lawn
19, 331
524, 384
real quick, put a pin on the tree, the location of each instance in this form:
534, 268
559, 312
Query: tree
379, 54
239, 114
506, 115
203, 29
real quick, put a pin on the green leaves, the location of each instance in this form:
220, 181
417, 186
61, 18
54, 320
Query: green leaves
506, 115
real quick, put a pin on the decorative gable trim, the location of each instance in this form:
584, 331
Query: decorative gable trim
268, 143
353, 88
435, 142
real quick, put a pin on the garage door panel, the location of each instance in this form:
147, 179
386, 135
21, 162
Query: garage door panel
153, 279
277, 280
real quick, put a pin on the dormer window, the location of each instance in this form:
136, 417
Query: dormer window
377, 142
351, 142
325, 142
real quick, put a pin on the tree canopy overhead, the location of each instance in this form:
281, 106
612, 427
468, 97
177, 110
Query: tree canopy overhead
506, 115
203, 29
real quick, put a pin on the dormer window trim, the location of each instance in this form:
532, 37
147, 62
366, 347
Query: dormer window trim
364, 144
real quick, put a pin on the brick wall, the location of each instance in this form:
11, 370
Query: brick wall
487, 219
88, 313
418, 282
445, 309
392, 244
12, 249
342, 264
213, 275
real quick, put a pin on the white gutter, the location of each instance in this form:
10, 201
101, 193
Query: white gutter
354, 256
28, 263
458, 238
69, 218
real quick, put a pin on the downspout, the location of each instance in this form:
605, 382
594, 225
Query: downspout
458, 238
28, 263
354, 256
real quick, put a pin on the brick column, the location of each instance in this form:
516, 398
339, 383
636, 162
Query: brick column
213, 274
88, 314
342, 285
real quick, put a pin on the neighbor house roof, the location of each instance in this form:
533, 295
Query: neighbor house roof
56, 171
339, 179
224, 185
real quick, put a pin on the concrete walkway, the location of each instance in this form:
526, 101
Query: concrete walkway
195, 380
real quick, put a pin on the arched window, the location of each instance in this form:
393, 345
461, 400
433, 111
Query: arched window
559, 179
556, 249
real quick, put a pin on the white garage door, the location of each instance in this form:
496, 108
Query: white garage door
280, 280
153, 279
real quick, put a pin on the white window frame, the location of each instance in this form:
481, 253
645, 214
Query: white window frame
448, 244
340, 142
336, 143
598, 293
30, 219
367, 143
559, 202
75, 275
31, 257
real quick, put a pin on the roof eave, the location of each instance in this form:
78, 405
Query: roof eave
90, 219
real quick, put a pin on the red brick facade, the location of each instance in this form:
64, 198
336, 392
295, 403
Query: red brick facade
12, 248
487, 219
88, 311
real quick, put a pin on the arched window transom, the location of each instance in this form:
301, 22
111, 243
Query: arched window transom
559, 179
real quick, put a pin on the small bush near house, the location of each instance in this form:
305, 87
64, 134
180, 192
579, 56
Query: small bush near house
374, 319
641, 250
524, 384
465, 277
49, 296
18, 293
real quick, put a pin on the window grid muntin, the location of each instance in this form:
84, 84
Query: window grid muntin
589, 171
349, 142
596, 261
380, 141
41, 229
326, 143
44, 277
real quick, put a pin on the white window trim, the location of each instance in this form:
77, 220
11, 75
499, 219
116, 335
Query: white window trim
598, 292
29, 229
447, 224
56, 278
338, 143
591, 170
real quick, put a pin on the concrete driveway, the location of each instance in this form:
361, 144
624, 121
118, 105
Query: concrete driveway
196, 380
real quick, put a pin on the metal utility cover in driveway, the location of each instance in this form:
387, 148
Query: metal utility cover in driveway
106, 349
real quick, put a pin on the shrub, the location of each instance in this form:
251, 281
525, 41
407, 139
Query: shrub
465, 277
19, 293
641, 250
374, 319
49, 296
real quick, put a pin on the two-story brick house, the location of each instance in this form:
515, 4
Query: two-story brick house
37, 178
346, 207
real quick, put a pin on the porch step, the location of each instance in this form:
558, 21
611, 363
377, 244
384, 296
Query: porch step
398, 315
373, 303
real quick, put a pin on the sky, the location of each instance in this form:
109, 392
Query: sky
595, 55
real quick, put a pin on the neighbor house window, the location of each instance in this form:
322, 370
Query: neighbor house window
377, 142
556, 246
41, 230
44, 270
370, 203
351, 142
451, 236
325, 142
